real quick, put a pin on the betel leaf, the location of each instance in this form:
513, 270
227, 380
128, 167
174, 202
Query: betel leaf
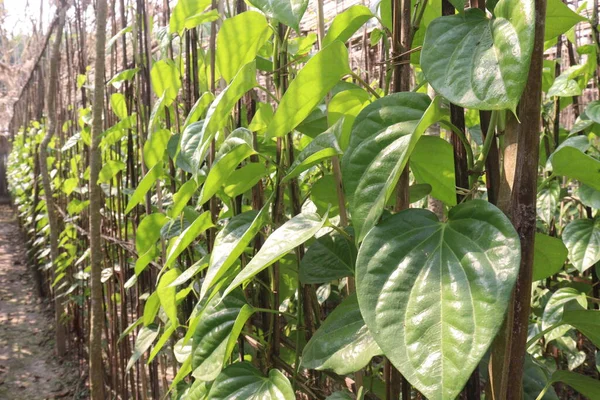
288, 12
212, 334
181, 198
168, 331
586, 321
143, 341
166, 294
309, 87
549, 256
432, 162
190, 140
582, 238
481, 63
559, 19
434, 294
239, 40
589, 197
183, 10
165, 80
331, 256
547, 200
346, 104
235, 149
561, 300
535, 379
231, 242
145, 184
200, 224
346, 23
342, 343
288, 236
220, 109
587, 386
155, 147
245, 178
244, 381
110, 169
148, 232
198, 109
575, 164
322, 147
383, 136
119, 105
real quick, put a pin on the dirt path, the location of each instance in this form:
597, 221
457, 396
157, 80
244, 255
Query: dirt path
28, 368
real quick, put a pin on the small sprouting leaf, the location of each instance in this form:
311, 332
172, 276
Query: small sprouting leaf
434, 294
244, 381
309, 87
582, 238
342, 343
481, 63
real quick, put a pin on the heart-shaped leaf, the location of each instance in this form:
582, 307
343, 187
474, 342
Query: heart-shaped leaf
477, 62
244, 381
549, 256
582, 238
434, 294
332, 256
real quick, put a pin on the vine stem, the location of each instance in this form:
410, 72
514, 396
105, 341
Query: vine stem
465, 143
365, 84
487, 144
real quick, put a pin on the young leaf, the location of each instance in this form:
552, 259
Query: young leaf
383, 137
480, 63
244, 381
342, 343
582, 238
309, 87
432, 162
182, 11
549, 256
346, 23
239, 40
434, 294
285, 238
561, 300
288, 12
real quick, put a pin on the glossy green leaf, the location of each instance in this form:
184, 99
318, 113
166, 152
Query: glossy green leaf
190, 140
166, 294
434, 294
383, 137
148, 232
586, 321
212, 335
547, 200
145, 184
181, 197
236, 148
155, 147
573, 163
245, 178
480, 63
201, 224
165, 80
198, 109
183, 10
346, 104
239, 40
161, 342
559, 19
191, 271
346, 23
231, 242
582, 238
342, 343
288, 12
119, 105
288, 236
309, 87
535, 379
432, 162
110, 169
151, 307
220, 109
562, 299
323, 147
244, 381
589, 197
143, 341
331, 256
549, 256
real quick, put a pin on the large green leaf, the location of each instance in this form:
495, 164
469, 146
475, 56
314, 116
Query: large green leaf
480, 63
231, 242
289, 12
434, 294
587, 386
383, 137
586, 321
236, 148
285, 238
190, 140
346, 104
201, 224
309, 87
559, 19
181, 198
432, 162
547, 200
342, 343
155, 147
148, 232
119, 105
198, 109
143, 341
183, 10
212, 335
167, 293
239, 40
549, 256
573, 163
589, 196
220, 109
245, 178
346, 23
244, 381
165, 80
582, 238
331, 256
561, 300
145, 184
